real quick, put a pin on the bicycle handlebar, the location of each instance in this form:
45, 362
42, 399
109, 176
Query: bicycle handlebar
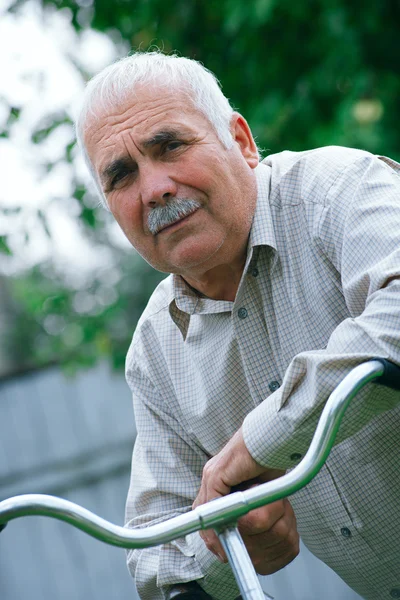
221, 512
390, 376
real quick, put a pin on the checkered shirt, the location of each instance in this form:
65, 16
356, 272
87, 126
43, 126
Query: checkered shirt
320, 293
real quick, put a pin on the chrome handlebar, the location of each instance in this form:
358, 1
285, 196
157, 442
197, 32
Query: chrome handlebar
222, 512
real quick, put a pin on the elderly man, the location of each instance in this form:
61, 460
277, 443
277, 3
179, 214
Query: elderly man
285, 274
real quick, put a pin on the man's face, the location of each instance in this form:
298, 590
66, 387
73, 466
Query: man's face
156, 148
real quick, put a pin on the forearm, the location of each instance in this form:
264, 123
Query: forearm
281, 428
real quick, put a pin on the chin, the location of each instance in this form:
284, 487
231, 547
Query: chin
188, 254
190, 262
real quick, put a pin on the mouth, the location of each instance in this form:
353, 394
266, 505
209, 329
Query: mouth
175, 224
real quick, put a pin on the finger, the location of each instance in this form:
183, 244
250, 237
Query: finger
282, 528
283, 534
277, 557
262, 519
206, 494
212, 486
269, 555
199, 500
277, 532
213, 544
269, 475
266, 565
282, 540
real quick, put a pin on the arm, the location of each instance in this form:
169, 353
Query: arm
362, 240
166, 474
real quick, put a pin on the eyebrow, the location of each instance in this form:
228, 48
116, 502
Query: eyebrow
161, 137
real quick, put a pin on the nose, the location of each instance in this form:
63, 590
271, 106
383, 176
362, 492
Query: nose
156, 186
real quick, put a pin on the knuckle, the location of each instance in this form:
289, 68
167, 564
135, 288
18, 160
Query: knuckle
207, 468
256, 521
281, 529
253, 519
209, 471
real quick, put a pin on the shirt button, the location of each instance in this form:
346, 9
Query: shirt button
346, 533
242, 313
274, 385
255, 272
295, 456
395, 593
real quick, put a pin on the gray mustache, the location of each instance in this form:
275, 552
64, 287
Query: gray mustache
174, 210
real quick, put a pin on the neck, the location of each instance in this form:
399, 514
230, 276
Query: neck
219, 283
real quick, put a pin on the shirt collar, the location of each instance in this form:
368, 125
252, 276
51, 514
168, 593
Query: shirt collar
262, 231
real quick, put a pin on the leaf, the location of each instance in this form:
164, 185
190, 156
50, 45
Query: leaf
4, 247
88, 216
49, 124
13, 115
79, 192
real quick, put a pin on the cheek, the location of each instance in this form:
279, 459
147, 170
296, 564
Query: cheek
127, 213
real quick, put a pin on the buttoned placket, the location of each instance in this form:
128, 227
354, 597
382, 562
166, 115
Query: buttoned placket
250, 325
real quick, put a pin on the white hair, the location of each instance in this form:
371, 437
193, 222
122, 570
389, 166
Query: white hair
116, 82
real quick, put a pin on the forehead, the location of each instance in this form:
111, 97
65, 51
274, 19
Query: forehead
148, 110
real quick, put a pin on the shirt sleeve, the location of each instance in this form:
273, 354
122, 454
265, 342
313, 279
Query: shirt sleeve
165, 478
361, 239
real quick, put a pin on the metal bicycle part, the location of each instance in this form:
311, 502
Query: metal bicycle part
223, 513
242, 567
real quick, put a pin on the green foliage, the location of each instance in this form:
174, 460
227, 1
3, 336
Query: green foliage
304, 74
78, 326
4, 247
296, 70
51, 123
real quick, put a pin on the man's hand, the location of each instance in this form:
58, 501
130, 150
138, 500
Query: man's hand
231, 467
269, 532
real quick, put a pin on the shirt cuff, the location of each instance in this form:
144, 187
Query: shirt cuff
271, 438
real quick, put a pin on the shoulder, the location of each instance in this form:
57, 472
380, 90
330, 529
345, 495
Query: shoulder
326, 160
308, 176
154, 323
158, 302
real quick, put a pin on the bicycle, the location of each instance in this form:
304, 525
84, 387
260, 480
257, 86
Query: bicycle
223, 513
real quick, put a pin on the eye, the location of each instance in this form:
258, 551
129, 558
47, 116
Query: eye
119, 177
171, 146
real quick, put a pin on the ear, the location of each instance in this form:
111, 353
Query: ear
242, 135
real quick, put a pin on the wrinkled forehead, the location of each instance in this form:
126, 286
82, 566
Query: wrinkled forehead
141, 118
144, 95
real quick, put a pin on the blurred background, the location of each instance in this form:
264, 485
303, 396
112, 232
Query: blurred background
304, 74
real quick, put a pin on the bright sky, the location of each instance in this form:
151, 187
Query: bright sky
37, 77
